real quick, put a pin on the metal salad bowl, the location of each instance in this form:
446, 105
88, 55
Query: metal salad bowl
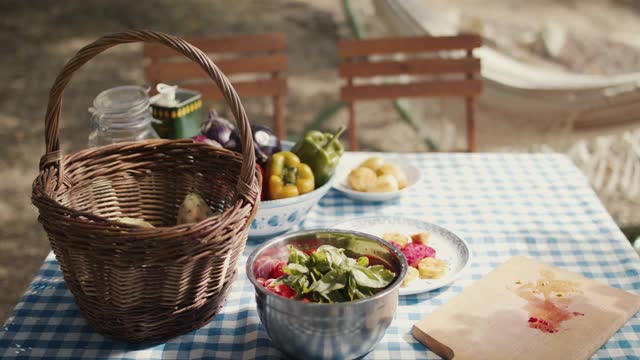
344, 330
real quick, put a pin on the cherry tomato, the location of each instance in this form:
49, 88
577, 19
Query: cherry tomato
309, 251
284, 291
305, 300
263, 266
278, 271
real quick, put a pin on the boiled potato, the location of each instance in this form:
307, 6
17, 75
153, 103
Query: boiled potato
374, 163
193, 209
420, 238
134, 221
361, 179
412, 274
431, 268
397, 238
384, 183
395, 171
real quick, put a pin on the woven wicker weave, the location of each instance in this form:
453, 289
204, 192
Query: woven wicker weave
133, 283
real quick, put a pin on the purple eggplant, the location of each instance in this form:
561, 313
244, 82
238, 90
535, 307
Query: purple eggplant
221, 131
265, 142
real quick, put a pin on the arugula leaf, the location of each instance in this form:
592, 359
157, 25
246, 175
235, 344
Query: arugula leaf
363, 292
352, 287
373, 277
295, 269
331, 281
297, 257
299, 283
328, 275
334, 256
337, 296
303, 286
319, 263
386, 274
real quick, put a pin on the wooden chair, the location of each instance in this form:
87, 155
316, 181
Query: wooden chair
357, 64
259, 55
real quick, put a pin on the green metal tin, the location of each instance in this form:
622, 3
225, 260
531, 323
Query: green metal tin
182, 121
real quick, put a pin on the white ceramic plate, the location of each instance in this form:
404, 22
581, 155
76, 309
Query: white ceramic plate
350, 163
449, 247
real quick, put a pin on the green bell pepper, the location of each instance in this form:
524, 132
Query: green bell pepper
321, 151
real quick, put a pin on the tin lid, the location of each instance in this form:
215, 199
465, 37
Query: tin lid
183, 97
167, 95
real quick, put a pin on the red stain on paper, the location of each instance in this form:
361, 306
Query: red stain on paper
548, 301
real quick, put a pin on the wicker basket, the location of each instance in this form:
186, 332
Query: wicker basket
139, 284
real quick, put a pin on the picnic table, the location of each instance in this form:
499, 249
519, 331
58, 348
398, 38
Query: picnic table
537, 205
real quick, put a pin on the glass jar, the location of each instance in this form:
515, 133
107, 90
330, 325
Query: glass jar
121, 114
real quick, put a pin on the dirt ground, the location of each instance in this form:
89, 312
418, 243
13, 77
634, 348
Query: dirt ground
37, 37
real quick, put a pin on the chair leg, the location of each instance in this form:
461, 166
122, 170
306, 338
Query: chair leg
353, 133
278, 115
471, 128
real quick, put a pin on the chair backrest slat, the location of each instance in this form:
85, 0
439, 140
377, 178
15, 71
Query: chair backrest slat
410, 67
425, 80
259, 55
353, 48
171, 71
450, 88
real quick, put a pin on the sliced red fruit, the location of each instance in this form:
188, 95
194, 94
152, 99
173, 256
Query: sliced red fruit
278, 270
309, 251
273, 290
284, 291
260, 281
415, 252
268, 282
264, 266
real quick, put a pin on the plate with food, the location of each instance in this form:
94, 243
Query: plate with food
436, 256
375, 178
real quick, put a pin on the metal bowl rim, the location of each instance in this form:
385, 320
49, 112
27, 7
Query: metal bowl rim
395, 284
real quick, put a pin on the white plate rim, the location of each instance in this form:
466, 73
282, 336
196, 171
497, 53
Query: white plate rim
408, 291
377, 197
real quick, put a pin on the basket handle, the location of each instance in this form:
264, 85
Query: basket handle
53, 155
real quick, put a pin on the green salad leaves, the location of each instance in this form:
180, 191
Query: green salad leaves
329, 276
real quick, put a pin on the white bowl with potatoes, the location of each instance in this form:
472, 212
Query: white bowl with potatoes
375, 178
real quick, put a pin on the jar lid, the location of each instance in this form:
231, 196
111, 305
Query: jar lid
121, 99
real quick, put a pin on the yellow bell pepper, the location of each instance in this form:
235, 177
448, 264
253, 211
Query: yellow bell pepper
288, 177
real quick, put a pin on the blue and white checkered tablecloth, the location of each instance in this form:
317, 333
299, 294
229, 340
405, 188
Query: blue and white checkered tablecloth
502, 204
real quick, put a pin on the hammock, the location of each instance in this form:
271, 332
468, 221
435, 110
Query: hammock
596, 119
